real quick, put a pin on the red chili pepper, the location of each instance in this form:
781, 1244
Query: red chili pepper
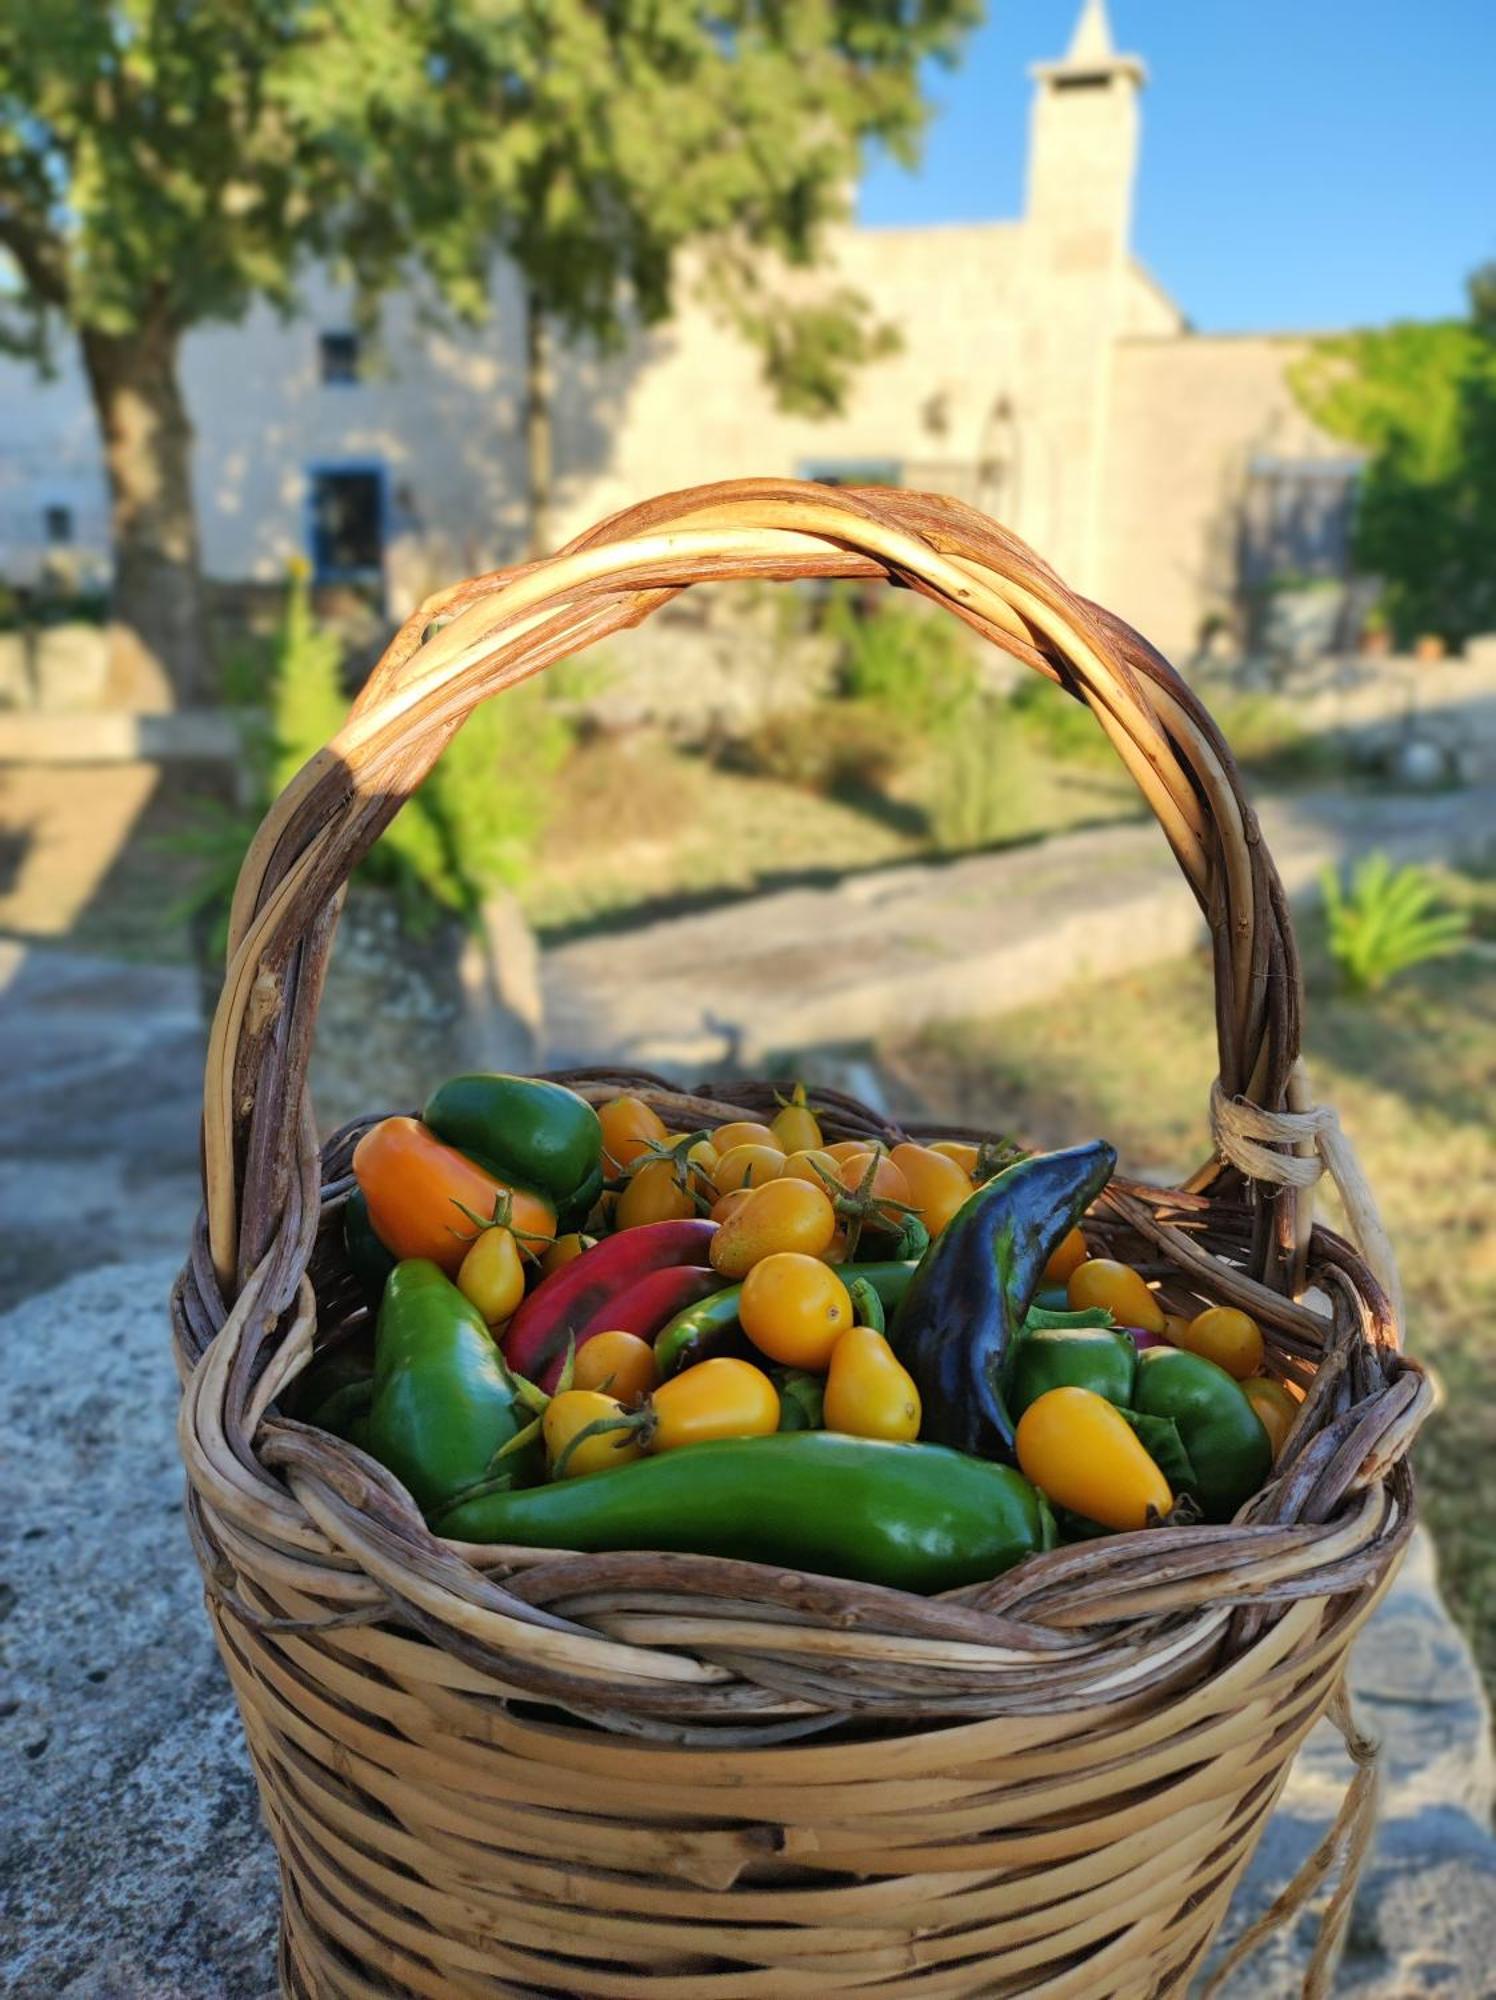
644, 1308
557, 1310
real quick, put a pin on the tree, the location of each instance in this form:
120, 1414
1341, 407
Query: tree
1420, 398
162, 166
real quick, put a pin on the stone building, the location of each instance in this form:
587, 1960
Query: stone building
1043, 375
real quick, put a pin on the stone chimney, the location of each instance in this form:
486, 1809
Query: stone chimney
1083, 146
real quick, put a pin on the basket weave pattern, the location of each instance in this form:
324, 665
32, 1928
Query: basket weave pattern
497, 1771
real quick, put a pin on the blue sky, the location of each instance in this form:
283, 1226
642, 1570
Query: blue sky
1305, 163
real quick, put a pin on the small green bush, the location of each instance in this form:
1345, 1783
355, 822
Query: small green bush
468, 830
1386, 922
839, 746
1056, 725
913, 664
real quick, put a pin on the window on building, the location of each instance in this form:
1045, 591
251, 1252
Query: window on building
853, 472
340, 357
58, 527
347, 524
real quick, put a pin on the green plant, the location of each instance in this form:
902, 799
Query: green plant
1056, 725
841, 746
1267, 738
1386, 922
916, 666
971, 782
470, 828
1421, 400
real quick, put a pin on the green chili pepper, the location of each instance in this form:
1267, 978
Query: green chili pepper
444, 1403
1222, 1434
1076, 1358
956, 1329
329, 1372
346, 1412
913, 1516
368, 1259
539, 1135
711, 1326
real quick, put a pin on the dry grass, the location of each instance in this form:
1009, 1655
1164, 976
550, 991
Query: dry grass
1413, 1076
647, 826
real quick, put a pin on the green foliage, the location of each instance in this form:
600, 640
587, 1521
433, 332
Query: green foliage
1421, 399
1386, 922
972, 780
914, 664
468, 830
1060, 728
1266, 736
161, 164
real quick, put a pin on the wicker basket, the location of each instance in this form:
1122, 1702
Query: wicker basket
493, 1772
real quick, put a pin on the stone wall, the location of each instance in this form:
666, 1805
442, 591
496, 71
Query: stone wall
1188, 416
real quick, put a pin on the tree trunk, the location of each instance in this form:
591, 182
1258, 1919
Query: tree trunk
159, 635
539, 437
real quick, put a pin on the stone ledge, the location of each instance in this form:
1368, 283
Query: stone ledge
137, 1868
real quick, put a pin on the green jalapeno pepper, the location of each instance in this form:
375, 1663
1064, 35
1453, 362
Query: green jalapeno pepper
960, 1318
539, 1135
1228, 1449
711, 1326
913, 1516
1090, 1357
444, 1403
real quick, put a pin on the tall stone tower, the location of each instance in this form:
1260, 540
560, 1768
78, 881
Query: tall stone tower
1083, 145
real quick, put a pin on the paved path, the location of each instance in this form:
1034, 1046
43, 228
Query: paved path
934, 941
102, 1064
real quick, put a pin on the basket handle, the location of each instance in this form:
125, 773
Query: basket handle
479, 637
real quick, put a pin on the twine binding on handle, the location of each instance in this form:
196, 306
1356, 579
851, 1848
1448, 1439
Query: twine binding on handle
645, 1776
1247, 1136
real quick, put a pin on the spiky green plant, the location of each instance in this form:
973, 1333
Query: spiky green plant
1385, 922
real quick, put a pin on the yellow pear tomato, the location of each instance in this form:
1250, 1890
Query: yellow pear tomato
492, 1275
1083, 1454
780, 1215
1230, 1338
937, 1186
720, 1398
795, 1308
869, 1392
1102, 1281
568, 1453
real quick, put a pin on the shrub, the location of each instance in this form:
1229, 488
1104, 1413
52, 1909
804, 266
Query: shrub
1387, 922
841, 746
468, 830
1055, 724
973, 780
913, 664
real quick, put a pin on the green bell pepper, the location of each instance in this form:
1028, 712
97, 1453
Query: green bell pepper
913, 1516
1228, 1449
444, 1403
536, 1134
1090, 1357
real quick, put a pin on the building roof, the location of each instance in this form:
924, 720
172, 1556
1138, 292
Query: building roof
1092, 52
